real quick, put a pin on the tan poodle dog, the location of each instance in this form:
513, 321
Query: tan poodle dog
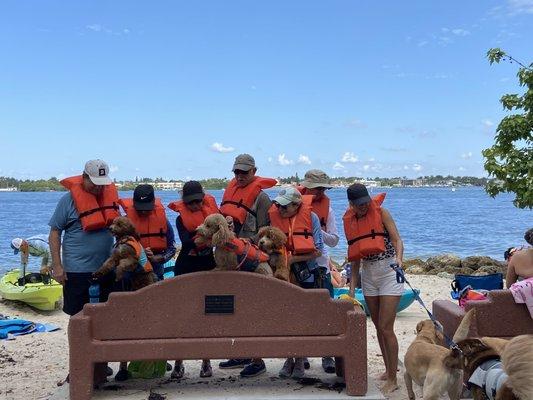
126, 257
230, 251
272, 241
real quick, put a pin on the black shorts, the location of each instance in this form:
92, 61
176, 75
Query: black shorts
76, 290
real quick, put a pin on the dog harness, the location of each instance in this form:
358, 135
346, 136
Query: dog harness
246, 251
489, 376
143, 264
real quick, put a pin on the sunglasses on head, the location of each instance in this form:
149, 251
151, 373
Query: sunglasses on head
240, 172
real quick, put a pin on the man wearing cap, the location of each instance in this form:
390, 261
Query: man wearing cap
247, 205
315, 183
79, 227
36, 246
292, 213
157, 236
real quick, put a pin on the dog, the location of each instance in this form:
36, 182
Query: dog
125, 257
432, 366
272, 241
230, 251
488, 359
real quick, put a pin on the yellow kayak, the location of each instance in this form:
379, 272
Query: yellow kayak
39, 295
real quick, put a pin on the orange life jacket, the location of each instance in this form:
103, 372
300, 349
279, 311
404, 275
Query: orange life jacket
237, 201
366, 235
152, 228
320, 207
191, 220
299, 228
247, 249
95, 212
144, 264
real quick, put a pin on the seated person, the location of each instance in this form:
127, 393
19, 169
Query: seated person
520, 262
337, 279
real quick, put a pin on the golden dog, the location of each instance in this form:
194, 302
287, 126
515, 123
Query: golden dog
272, 241
435, 368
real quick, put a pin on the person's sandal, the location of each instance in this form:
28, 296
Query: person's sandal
206, 371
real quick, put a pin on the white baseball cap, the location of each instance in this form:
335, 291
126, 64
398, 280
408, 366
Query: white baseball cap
287, 196
15, 245
98, 172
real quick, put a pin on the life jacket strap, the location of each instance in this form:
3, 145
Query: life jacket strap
92, 211
372, 235
239, 204
305, 233
161, 233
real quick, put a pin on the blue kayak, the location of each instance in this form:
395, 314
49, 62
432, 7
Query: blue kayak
405, 301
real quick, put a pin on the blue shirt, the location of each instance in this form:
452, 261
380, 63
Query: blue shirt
82, 251
319, 244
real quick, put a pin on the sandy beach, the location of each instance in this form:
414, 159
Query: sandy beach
31, 365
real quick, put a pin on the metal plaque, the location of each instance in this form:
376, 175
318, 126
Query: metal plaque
223, 304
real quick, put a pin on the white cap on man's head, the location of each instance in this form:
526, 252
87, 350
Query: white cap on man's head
287, 196
15, 245
98, 172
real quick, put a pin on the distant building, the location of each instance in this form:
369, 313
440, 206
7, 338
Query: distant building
167, 185
9, 189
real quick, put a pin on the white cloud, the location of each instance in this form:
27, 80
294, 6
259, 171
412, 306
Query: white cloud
99, 28
460, 32
303, 159
520, 6
355, 123
338, 166
366, 167
126, 31
417, 167
283, 160
422, 43
462, 169
113, 168
269, 159
371, 159
94, 27
406, 167
349, 157
487, 123
220, 148
466, 156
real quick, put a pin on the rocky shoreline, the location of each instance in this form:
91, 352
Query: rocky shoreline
447, 265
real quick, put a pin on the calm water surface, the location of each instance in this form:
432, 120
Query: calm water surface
430, 220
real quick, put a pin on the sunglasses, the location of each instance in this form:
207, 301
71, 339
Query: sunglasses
194, 202
240, 172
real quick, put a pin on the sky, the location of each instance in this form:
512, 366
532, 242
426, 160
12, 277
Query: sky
177, 89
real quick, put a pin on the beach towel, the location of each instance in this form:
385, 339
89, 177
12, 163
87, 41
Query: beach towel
523, 293
9, 328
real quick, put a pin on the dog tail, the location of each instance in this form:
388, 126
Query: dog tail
464, 327
517, 360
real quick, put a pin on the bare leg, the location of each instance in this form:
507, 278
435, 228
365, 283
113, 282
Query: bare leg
387, 316
372, 303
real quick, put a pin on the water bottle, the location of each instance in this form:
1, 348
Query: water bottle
94, 293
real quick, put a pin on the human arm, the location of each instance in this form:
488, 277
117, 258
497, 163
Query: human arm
54, 239
354, 280
330, 236
511, 276
263, 205
394, 235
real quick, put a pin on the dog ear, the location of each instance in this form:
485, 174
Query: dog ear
419, 326
262, 231
279, 237
497, 344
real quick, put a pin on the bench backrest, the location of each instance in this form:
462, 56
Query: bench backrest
176, 308
500, 316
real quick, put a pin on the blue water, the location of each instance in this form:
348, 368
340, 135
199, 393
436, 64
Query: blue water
430, 220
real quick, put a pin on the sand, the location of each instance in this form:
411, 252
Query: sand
31, 365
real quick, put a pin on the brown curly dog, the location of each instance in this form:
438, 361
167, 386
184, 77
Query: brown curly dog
272, 241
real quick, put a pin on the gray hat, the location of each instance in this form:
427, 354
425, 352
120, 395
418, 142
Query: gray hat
287, 196
315, 178
244, 162
98, 172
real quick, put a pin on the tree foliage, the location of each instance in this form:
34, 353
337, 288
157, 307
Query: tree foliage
510, 159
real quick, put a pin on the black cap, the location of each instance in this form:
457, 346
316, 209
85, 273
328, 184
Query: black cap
358, 194
192, 190
143, 198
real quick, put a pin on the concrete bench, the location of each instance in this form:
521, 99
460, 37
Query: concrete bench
218, 315
497, 316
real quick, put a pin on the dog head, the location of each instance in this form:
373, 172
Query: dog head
122, 227
426, 331
216, 229
271, 239
476, 351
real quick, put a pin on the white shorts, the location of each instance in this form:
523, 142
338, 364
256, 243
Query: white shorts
379, 279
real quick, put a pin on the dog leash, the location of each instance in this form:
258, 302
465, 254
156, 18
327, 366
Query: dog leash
400, 278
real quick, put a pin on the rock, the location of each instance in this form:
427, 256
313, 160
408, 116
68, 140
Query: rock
475, 262
412, 262
442, 261
416, 269
452, 270
467, 271
487, 269
446, 275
